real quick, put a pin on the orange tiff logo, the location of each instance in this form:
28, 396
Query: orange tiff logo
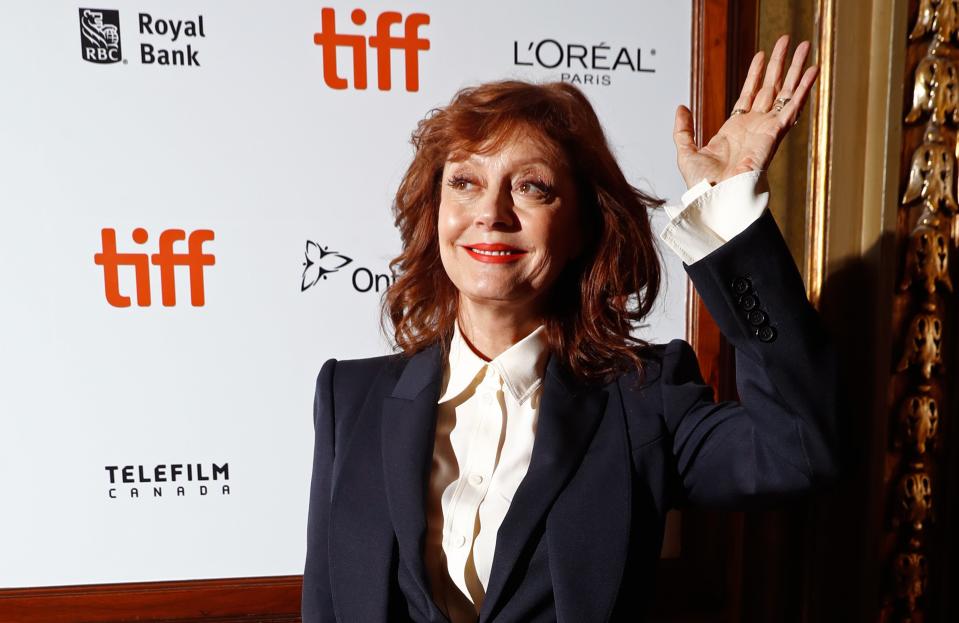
194, 258
383, 42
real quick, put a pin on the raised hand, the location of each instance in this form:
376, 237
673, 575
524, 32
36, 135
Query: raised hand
760, 119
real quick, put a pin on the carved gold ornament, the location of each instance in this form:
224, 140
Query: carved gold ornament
923, 346
935, 91
914, 500
928, 229
918, 421
931, 175
927, 260
911, 571
940, 17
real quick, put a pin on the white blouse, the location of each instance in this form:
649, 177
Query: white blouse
487, 412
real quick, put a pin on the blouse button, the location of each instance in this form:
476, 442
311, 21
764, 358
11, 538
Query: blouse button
476, 479
458, 540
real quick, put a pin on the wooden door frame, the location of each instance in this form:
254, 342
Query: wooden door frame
705, 582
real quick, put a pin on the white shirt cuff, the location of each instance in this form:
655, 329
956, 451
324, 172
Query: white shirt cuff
710, 216
695, 192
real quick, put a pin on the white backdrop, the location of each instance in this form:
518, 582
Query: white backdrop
248, 141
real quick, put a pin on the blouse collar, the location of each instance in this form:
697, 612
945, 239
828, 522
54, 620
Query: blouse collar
521, 366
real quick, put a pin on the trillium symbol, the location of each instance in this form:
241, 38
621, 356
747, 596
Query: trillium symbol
320, 262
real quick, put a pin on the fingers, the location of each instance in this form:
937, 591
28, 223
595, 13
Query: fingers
751, 84
777, 60
683, 131
795, 70
771, 84
791, 110
794, 87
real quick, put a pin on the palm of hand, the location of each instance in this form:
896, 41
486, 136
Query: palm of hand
749, 138
742, 144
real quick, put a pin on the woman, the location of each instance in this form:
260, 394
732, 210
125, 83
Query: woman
515, 462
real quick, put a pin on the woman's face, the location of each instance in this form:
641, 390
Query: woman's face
508, 224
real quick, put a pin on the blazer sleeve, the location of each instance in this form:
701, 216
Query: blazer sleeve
780, 439
316, 602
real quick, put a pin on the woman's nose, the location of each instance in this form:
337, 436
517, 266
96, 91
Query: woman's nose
495, 209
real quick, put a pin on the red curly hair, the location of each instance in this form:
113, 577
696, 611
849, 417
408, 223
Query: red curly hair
600, 296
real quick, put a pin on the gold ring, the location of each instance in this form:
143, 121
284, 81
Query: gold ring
737, 111
781, 103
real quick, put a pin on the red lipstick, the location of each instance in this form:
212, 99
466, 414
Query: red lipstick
495, 253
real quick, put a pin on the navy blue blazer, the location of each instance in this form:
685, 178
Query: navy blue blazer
582, 536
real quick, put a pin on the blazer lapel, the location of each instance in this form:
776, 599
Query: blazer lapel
409, 424
361, 537
589, 526
568, 418
571, 416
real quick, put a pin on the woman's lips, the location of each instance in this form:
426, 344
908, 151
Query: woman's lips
495, 253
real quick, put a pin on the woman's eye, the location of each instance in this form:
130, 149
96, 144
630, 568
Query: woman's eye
460, 183
538, 189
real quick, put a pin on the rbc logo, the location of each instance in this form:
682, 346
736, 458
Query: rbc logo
383, 42
195, 259
100, 35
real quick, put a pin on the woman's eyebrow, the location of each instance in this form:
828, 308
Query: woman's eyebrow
535, 161
525, 163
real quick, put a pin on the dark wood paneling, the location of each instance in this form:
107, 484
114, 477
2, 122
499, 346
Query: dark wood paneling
266, 600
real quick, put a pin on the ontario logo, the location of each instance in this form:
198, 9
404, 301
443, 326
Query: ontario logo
319, 262
100, 36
